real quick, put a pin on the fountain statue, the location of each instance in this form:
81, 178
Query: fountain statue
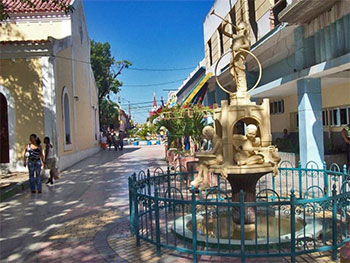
242, 150
208, 159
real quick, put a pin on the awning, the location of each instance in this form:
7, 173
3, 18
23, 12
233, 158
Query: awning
195, 90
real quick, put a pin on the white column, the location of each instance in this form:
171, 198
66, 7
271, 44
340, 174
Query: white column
311, 145
49, 96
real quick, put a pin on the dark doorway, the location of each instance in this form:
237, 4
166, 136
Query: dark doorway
4, 131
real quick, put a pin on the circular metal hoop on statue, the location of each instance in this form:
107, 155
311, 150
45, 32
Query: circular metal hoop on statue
240, 50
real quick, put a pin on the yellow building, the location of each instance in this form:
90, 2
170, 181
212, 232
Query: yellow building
47, 85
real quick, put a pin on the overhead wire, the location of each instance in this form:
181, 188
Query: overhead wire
137, 103
154, 84
139, 69
157, 70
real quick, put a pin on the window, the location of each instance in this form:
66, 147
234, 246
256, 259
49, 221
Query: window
277, 107
343, 116
233, 19
221, 40
252, 18
337, 116
325, 117
210, 52
276, 9
66, 118
96, 124
334, 117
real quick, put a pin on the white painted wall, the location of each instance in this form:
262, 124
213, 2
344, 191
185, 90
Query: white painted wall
212, 22
49, 96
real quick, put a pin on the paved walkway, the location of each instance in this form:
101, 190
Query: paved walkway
83, 217
64, 223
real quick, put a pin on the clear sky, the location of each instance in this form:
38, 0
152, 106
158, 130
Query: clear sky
152, 35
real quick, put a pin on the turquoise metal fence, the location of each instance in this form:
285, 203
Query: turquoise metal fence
300, 211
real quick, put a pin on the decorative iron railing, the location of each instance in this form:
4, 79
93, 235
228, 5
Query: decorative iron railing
300, 211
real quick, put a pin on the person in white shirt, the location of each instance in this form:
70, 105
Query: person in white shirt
50, 160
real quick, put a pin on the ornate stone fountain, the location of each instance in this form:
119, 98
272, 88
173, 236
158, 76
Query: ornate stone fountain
241, 137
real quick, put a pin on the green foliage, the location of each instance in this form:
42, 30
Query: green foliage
145, 130
110, 112
106, 70
182, 122
63, 6
194, 124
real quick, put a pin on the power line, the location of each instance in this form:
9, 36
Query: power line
133, 85
155, 84
142, 107
154, 69
71, 59
137, 103
130, 68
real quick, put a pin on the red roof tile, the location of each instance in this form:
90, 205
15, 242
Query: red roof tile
24, 42
17, 6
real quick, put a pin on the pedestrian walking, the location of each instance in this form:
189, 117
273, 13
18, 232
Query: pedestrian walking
115, 141
50, 161
34, 153
120, 139
110, 139
346, 136
104, 141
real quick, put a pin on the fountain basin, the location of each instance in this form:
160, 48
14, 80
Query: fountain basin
310, 229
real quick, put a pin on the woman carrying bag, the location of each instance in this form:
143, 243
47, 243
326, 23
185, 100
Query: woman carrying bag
34, 153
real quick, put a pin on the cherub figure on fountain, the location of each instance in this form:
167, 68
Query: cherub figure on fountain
208, 158
247, 148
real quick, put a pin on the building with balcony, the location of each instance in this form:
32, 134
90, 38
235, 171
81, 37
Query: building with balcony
304, 49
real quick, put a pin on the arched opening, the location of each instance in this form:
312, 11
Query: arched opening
66, 118
4, 131
241, 125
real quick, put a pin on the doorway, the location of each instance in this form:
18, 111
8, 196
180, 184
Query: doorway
4, 132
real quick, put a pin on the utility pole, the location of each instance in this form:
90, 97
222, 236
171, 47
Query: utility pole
118, 98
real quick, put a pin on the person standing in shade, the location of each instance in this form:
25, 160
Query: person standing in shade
103, 141
120, 140
50, 160
346, 136
34, 153
115, 140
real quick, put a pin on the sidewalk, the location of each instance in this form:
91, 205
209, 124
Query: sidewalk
66, 223
12, 183
83, 217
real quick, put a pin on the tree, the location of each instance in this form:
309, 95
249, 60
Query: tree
106, 70
31, 3
110, 111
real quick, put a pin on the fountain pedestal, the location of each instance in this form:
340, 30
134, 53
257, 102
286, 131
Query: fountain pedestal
245, 178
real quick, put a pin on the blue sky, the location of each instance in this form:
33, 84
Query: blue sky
152, 35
